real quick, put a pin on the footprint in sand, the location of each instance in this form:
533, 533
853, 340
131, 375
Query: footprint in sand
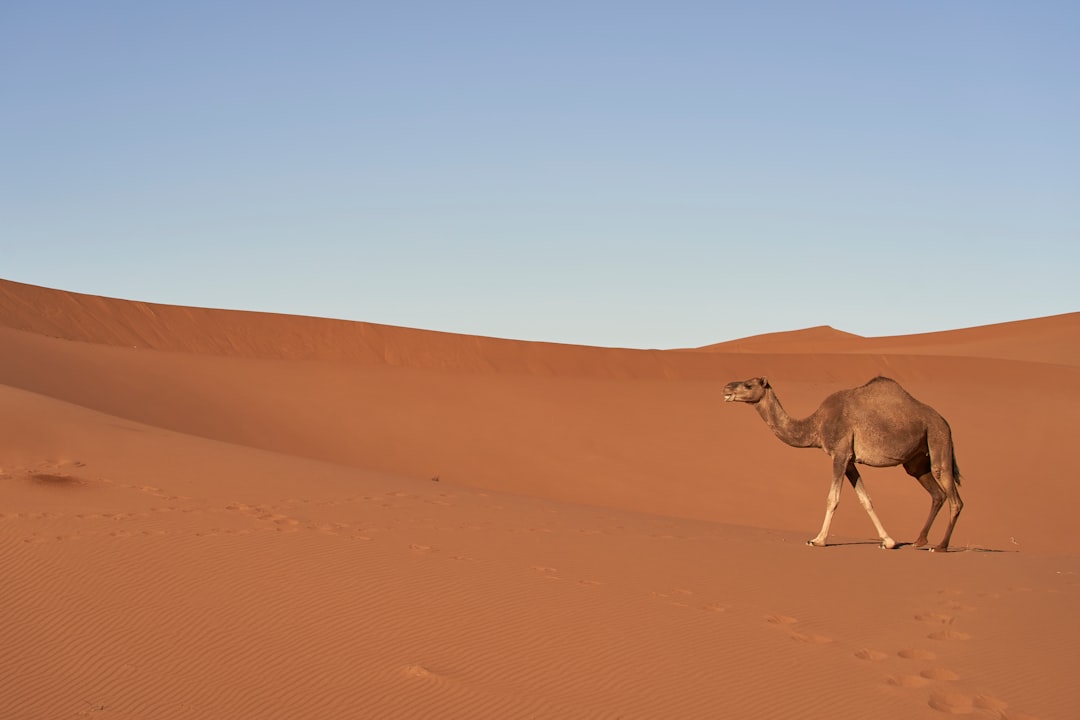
907, 681
335, 529
955, 605
949, 635
776, 619
871, 655
916, 654
417, 547
675, 597
935, 617
284, 522
417, 671
812, 638
942, 674
959, 703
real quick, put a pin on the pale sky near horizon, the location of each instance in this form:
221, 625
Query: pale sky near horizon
638, 174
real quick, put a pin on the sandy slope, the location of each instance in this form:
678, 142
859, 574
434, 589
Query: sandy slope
218, 514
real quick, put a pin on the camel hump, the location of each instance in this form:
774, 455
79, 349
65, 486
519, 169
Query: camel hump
883, 389
882, 381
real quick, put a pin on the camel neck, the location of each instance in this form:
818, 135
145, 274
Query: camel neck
797, 433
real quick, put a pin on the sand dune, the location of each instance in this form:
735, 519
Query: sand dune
1046, 340
210, 513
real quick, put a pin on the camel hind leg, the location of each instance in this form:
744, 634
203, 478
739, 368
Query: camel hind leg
945, 472
919, 468
949, 483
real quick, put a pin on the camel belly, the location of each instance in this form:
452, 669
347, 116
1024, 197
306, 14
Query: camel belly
886, 438
874, 455
878, 460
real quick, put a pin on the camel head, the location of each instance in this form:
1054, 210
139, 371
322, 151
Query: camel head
747, 391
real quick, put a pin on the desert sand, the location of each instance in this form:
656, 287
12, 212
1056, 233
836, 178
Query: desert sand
220, 514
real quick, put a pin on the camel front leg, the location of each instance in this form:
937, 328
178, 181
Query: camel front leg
831, 503
864, 498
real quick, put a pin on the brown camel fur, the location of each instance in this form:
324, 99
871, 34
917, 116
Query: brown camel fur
878, 424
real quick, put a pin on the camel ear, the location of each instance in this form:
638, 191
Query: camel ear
764, 381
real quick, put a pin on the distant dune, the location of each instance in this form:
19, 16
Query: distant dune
822, 335
210, 513
1047, 340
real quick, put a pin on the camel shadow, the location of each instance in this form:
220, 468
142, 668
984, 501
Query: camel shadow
924, 548
856, 543
970, 549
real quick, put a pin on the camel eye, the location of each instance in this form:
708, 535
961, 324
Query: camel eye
746, 385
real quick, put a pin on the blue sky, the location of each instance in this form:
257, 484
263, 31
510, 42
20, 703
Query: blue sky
639, 174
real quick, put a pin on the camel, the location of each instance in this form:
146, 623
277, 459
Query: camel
878, 424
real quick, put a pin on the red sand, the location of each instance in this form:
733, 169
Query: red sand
211, 514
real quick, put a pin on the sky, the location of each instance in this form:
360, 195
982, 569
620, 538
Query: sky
634, 174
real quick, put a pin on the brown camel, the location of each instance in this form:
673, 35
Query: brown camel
878, 424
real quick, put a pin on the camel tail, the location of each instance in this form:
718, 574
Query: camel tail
955, 470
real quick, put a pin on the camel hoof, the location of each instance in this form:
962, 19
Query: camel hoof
814, 543
888, 544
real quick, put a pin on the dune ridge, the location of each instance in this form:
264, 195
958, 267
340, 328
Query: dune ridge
209, 513
126, 323
1048, 340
